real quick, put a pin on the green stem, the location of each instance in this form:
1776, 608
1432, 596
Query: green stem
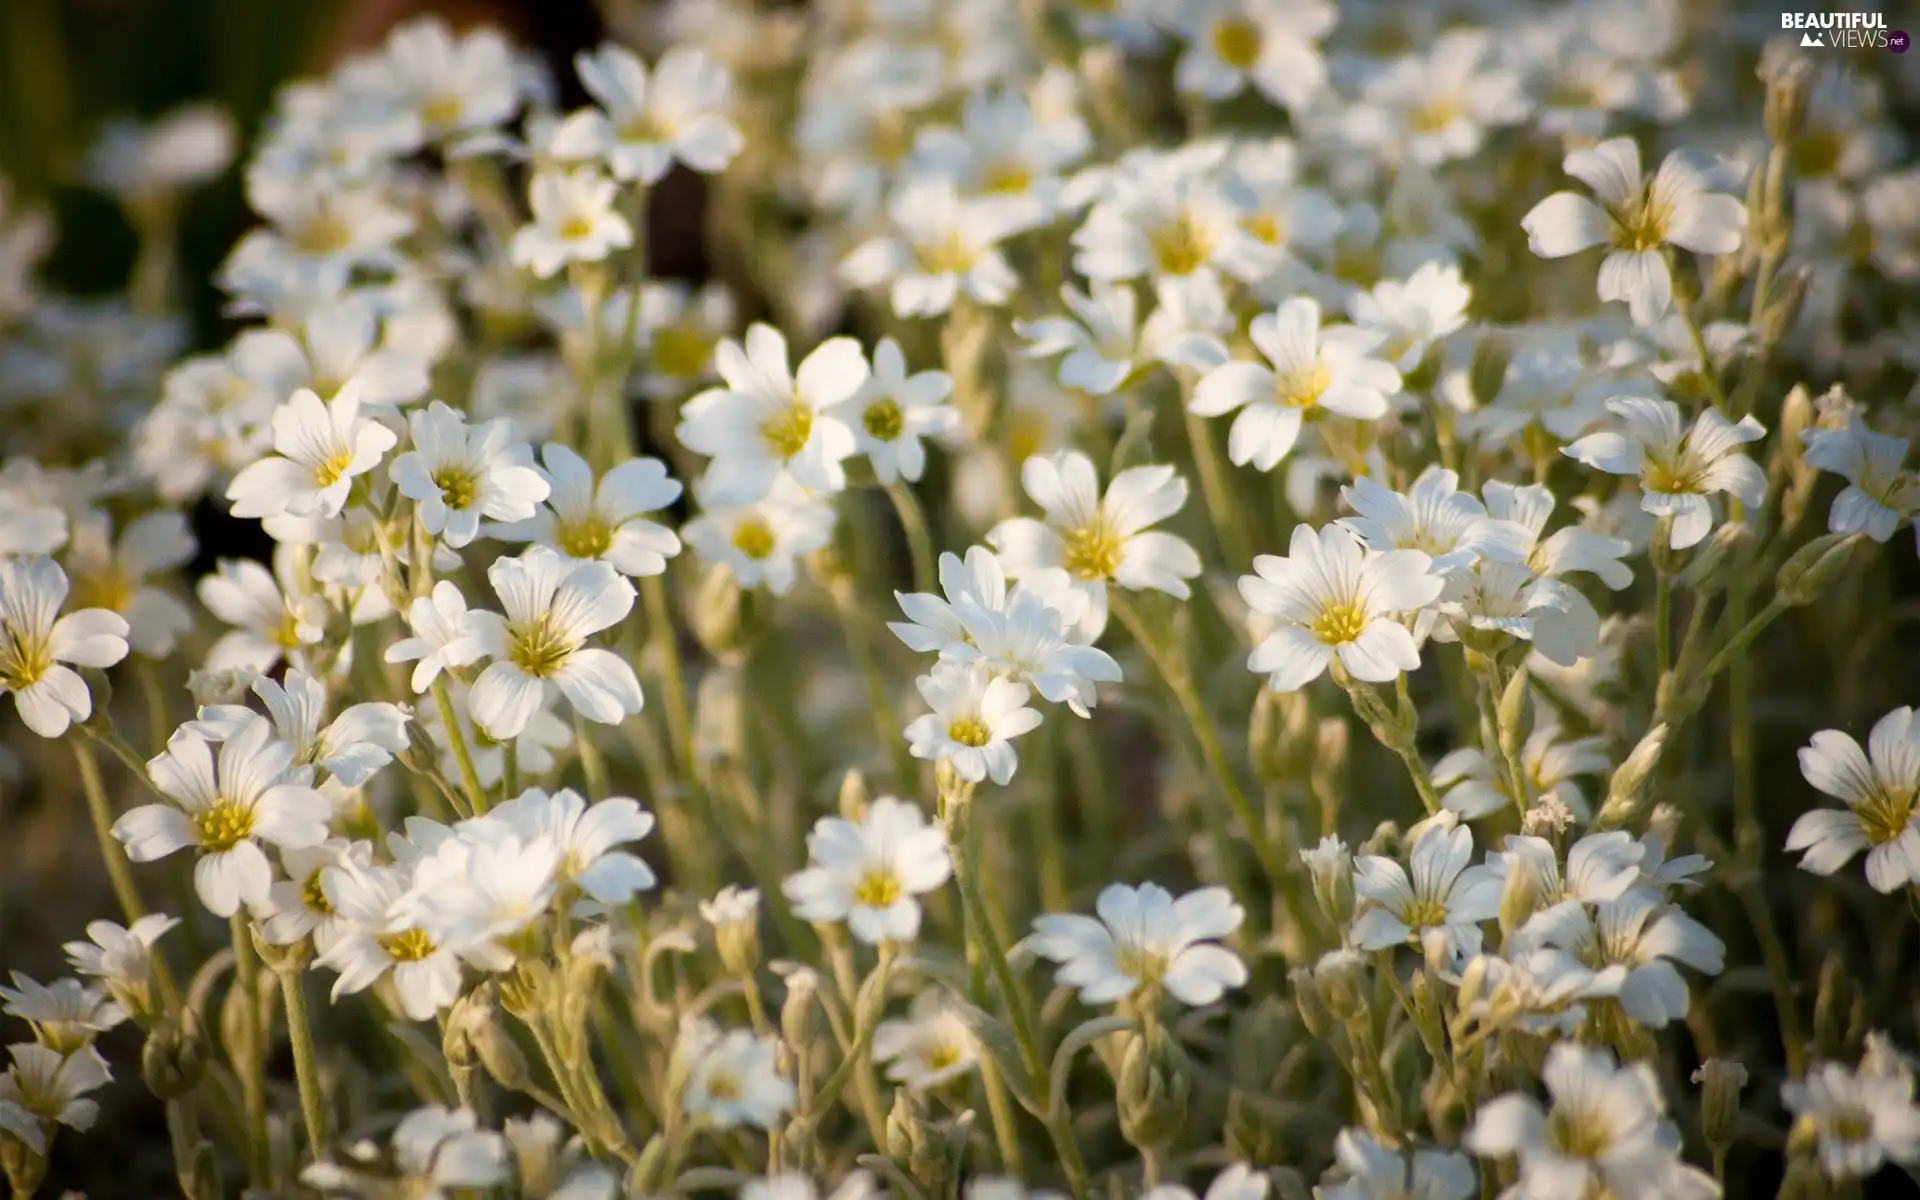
253, 1089
593, 764
653, 593
469, 778
1663, 621
1207, 736
913, 519
111, 851
1215, 488
306, 1067
887, 726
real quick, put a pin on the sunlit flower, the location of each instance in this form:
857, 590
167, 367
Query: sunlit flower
1146, 938
868, 872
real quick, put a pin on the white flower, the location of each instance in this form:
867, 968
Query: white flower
552, 1166
761, 543
456, 474
443, 1152
1166, 218
1331, 597
271, 622
121, 956
1005, 148
1313, 370
1237, 1182
478, 889
297, 907
534, 748
114, 574
66, 1014
1413, 315
447, 85
380, 937
444, 635
1878, 788
225, 814
732, 1078
1098, 340
143, 165
1145, 937
573, 221
46, 1086
1098, 539
731, 905
1600, 866
605, 521
1434, 517
1437, 893
1631, 944
1681, 206
768, 419
1509, 599
1366, 1169
975, 713
1269, 43
1429, 108
587, 837
39, 645
1880, 492
1474, 787
1605, 1132
677, 333
1863, 1118
650, 122
893, 411
360, 741
855, 1185
868, 872
320, 447
927, 1048
1678, 467
553, 605
947, 247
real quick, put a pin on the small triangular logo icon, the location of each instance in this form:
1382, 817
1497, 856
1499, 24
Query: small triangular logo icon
1812, 39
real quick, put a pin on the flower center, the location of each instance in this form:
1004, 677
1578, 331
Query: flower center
442, 111
1237, 41
951, 255
1577, 1134
877, 889
1006, 179
1642, 224
722, 1085
410, 946
682, 350
787, 432
1851, 1125
330, 470
942, 1055
286, 634
884, 420
1266, 227
970, 731
110, 588
323, 233
641, 127
1339, 623
1302, 387
1424, 913
23, 659
1180, 246
315, 897
1435, 113
589, 537
576, 228
889, 138
459, 486
1139, 962
1883, 814
754, 538
1093, 551
539, 648
1672, 475
223, 826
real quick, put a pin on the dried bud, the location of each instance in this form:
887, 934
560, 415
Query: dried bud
1813, 568
1153, 1092
1549, 817
1720, 1082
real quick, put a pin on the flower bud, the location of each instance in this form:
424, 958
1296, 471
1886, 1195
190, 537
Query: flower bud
1788, 77
1836, 1011
853, 795
1628, 789
25, 1166
1331, 869
799, 1020
734, 913
1783, 307
1152, 1092
914, 1144
1491, 354
1337, 979
717, 613
1329, 765
719, 718
1306, 998
173, 1057
1720, 560
1248, 1133
1813, 568
1720, 1082
502, 1057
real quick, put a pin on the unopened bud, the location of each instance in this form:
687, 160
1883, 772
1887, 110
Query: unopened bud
716, 613
853, 795
1306, 998
914, 1144
798, 1015
1337, 978
1813, 568
1330, 747
1720, 1082
1491, 354
1835, 1011
1519, 896
1723, 557
1804, 1179
1248, 1133
26, 1167
719, 718
1783, 307
734, 913
493, 1045
1628, 790
1331, 869
173, 1057
1788, 77
1152, 1093
1511, 711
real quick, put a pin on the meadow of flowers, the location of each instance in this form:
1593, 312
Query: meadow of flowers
1215, 597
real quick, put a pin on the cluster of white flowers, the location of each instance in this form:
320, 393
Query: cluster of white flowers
543, 528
